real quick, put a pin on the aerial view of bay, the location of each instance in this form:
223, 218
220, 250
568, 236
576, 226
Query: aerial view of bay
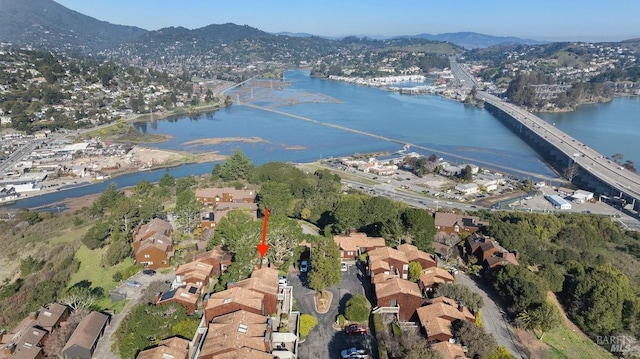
437, 125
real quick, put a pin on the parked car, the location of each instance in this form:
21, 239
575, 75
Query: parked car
355, 329
282, 281
352, 353
343, 266
148, 272
304, 266
133, 283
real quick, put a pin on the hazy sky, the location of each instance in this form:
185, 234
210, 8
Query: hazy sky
539, 19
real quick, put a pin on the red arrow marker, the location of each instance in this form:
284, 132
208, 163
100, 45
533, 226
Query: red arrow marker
263, 247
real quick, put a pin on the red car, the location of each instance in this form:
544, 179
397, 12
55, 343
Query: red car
355, 329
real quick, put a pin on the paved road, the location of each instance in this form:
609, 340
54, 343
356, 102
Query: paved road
103, 350
598, 165
494, 321
324, 341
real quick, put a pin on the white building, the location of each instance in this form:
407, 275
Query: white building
467, 188
581, 196
558, 202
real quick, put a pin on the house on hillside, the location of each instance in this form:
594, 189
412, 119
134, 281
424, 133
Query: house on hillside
265, 281
218, 258
400, 293
215, 196
388, 261
171, 348
186, 296
152, 244
436, 318
84, 340
489, 253
354, 244
239, 334
232, 300
193, 273
413, 254
448, 350
432, 277
457, 223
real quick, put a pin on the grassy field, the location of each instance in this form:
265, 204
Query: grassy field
70, 236
565, 343
91, 270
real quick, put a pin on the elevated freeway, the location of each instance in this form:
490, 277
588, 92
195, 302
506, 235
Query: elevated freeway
595, 172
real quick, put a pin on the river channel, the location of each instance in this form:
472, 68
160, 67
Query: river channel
434, 124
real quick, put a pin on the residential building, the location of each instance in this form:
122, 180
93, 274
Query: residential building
436, 318
30, 335
186, 296
401, 293
171, 348
152, 244
457, 223
448, 350
232, 300
489, 252
240, 334
194, 273
388, 261
354, 244
210, 219
214, 196
426, 260
50, 317
218, 257
432, 277
28, 345
84, 339
264, 280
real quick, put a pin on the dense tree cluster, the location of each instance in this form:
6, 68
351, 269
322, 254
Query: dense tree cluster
564, 254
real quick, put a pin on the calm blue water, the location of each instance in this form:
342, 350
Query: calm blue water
609, 128
447, 128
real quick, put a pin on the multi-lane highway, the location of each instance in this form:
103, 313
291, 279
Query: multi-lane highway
607, 171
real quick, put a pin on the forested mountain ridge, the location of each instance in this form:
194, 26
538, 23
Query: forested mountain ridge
45, 23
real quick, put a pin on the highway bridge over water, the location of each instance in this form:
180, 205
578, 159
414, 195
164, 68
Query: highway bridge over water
607, 179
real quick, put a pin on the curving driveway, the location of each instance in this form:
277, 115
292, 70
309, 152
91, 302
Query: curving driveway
492, 315
103, 350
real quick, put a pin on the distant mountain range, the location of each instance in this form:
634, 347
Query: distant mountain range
45, 23
473, 40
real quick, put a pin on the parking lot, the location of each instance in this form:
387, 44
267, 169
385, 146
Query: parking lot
326, 341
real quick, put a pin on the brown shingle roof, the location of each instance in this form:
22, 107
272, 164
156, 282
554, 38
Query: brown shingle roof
229, 192
235, 331
443, 307
354, 241
49, 317
28, 346
246, 297
443, 219
397, 286
413, 253
88, 331
449, 350
386, 253
434, 275
263, 280
174, 348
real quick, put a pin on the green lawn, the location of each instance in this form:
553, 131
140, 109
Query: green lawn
565, 343
70, 236
90, 269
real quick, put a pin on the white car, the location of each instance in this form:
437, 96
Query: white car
304, 266
343, 266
